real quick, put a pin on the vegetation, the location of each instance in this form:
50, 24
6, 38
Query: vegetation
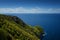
13, 28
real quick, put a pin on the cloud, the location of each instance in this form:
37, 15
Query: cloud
30, 10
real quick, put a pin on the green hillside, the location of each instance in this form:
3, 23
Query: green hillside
13, 28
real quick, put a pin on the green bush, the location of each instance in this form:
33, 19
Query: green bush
13, 28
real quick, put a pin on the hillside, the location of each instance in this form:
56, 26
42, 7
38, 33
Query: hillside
13, 28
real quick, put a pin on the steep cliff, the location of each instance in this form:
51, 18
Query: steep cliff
13, 28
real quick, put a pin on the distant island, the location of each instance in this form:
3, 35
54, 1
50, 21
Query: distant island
13, 28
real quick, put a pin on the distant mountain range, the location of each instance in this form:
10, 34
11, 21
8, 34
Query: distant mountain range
13, 28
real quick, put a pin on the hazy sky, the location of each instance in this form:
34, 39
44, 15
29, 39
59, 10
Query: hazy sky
29, 6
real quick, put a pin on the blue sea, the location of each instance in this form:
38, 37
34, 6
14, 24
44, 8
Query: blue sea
49, 22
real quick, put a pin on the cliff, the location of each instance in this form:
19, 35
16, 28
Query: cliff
13, 28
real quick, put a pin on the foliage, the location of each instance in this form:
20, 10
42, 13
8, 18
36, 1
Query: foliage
13, 28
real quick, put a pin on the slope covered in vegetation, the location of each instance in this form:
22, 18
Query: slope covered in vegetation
13, 28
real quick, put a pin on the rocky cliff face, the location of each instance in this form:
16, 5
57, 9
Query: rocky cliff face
13, 28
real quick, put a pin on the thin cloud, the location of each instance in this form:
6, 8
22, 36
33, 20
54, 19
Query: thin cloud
25, 10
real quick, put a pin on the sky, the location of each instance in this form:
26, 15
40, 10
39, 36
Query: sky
29, 6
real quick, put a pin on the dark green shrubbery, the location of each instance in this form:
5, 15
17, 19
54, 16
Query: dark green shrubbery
13, 28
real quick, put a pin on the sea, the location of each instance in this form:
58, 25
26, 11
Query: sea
49, 22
